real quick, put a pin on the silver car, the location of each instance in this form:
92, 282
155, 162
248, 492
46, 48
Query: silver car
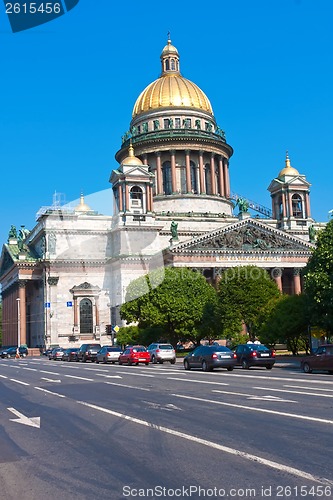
161, 352
108, 354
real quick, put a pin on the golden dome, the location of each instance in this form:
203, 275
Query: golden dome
82, 207
288, 169
131, 159
171, 89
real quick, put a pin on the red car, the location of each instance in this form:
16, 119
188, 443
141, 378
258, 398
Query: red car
134, 355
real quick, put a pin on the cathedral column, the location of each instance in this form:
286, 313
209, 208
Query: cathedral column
120, 190
188, 171
75, 311
145, 159
159, 183
148, 198
226, 179
284, 208
212, 173
277, 275
201, 174
22, 311
297, 280
151, 198
307, 205
221, 177
96, 311
290, 206
127, 203
173, 171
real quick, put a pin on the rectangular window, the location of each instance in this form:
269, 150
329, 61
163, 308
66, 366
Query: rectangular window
177, 122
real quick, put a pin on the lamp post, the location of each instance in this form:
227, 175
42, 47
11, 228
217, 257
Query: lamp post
18, 323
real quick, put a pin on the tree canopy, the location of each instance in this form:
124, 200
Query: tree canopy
243, 295
319, 280
181, 305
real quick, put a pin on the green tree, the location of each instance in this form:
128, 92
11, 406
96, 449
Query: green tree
319, 280
178, 305
243, 293
287, 323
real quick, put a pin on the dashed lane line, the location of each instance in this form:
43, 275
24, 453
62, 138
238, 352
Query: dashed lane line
127, 386
197, 381
295, 392
50, 392
18, 381
80, 378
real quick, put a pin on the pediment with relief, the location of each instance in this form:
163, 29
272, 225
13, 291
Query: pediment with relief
246, 236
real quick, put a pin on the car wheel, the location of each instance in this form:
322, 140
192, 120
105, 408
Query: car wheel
173, 361
154, 360
269, 367
113, 362
186, 365
120, 362
147, 363
104, 361
245, 364
97, 361
205, 366
129, 362
230, 368
84, 359
306, 368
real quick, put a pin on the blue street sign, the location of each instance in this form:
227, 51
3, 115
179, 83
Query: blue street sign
47, 305
69, 304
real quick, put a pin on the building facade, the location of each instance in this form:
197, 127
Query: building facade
64, 281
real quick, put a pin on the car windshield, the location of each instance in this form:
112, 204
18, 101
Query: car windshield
165, 346
259, 347
220, 348
139, 349
113, 349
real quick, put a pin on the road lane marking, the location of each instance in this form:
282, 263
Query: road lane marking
262, 410
226, 449
50, 392
31, 369
196, 381
277, 379
80, 378
137, 374
23, 419
128, 386
50, 379
49, 373
295, 392
311, 388
108, 376
255, 396
18, 381
3, 376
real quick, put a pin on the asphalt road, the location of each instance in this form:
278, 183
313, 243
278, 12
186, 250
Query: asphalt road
81, 430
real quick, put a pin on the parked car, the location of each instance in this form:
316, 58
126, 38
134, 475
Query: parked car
208, 357
47, 352
321, 359
88, 352
255, 354
161, 352
70, 354
10, 352
134, 355
108, 354
57, 353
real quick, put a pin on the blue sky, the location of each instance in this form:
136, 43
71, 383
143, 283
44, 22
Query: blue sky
68, 88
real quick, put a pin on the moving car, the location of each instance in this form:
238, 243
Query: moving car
134, 355
88, 352
321, 359
208, 357
161, 352
108, 354
10, 352
70, 354
255, 354
57, 353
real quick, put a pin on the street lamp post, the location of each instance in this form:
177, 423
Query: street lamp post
18, 323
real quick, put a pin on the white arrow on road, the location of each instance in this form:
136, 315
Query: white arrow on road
50, 380
32, 422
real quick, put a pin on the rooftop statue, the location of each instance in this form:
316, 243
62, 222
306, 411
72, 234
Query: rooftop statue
174, 230
242, 204
12, 232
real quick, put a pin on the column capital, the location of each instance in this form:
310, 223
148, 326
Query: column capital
158, 153
277, 272
22, 283
297, 271
187, 151
53, 280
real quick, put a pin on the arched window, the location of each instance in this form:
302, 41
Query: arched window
194, 177
208, 179
167, 185
297, 207
86, 316
279, 208
136, 196
173, 65
167, 65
